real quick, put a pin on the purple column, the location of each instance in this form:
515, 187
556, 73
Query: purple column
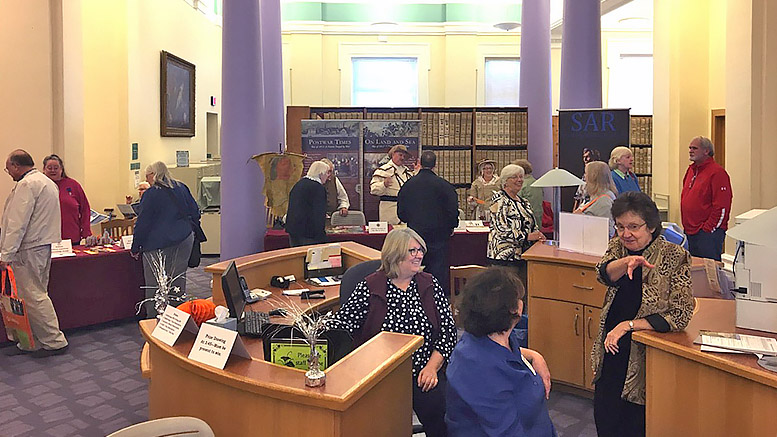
535, 81
242, 130
273, 114
581, 55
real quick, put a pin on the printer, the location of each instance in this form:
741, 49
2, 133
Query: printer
756, 277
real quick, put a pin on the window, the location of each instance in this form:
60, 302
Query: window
385, 82
631, 83
502, 81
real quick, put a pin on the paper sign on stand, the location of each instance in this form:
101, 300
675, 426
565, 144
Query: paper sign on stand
377, 227
126, 241
583, 233
62, 249
215, 344
476, 226
172, 323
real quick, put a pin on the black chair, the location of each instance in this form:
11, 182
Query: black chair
354, 275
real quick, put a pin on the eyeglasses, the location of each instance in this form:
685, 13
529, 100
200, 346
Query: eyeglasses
631, 227
6, 170
414, 251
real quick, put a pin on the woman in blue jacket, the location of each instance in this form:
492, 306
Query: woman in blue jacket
621, 164
495, 387
168, 213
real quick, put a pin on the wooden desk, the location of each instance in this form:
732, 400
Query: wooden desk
366, 393
565, 302
260, 267
696, 393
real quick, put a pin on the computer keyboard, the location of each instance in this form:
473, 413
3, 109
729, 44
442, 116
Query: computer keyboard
255, 322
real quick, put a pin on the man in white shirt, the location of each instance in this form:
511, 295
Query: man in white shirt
387, 180
31, 222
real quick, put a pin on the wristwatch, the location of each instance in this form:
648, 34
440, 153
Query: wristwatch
631, 325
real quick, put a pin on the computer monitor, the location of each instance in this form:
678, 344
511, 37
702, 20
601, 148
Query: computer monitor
233, 292
128, 211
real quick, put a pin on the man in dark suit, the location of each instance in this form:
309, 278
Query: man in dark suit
306, 218
429, 206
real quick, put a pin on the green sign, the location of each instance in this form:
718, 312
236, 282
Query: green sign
134, 166
295, 352
134, 151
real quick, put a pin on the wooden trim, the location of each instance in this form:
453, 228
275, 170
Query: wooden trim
547, 253
718, 135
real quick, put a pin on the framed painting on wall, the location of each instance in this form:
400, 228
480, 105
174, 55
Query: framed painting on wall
176, 97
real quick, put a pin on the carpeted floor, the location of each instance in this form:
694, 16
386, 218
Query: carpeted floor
96, 388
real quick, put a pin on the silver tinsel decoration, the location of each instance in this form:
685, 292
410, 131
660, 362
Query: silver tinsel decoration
166, 293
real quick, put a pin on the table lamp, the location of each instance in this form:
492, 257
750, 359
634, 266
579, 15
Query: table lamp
557, 178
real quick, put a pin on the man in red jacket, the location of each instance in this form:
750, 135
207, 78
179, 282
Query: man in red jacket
705, 202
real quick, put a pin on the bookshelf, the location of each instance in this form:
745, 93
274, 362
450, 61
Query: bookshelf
460, 136
642, 149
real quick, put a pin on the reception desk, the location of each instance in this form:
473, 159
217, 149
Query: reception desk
696, 393
368, 392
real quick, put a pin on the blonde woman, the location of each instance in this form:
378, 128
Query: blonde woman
621, 163
483, 188
600, 189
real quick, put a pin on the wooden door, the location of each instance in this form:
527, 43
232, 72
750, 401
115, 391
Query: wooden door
591, 330
718, 135
556, 331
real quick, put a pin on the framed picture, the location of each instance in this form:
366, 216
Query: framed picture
176, 97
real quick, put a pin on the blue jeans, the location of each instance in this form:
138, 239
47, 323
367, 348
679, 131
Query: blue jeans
707, 244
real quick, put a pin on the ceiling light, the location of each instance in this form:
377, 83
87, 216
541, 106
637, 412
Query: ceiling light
507, 25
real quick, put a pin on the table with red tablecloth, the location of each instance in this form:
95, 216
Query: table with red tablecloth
95, 286
465, 247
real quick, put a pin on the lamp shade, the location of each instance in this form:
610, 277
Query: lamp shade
558, 177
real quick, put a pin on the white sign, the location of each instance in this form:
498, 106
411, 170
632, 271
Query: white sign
63, 248
583, 233
126, 241
215, 344
182, 158
377, 228
172, 324
476, 226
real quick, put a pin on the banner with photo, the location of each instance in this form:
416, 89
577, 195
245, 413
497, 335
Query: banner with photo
338, 141
377, 138
594, 131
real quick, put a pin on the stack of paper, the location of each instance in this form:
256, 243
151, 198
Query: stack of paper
732, 342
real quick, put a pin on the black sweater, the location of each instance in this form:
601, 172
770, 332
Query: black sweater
306, 216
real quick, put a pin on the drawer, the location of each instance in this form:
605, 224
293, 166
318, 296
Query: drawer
567, 283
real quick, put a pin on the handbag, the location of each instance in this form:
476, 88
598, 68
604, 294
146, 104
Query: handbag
14, 312
199, 234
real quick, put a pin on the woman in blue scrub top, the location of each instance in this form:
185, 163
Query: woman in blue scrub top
495, 387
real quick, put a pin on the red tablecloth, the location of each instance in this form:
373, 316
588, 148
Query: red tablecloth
465, 248
88, 289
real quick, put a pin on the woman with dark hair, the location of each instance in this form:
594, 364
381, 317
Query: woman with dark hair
73, 205
648, 288
165, 229
495, 387
399, 297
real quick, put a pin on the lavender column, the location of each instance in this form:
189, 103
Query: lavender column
581, 55
273, 114
242, 134
535, 81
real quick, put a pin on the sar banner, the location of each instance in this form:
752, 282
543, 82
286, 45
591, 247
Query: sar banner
339, 141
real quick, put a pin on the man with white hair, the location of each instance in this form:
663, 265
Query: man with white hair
306, 217
705, 202
387, 180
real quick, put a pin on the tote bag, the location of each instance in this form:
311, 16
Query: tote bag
14, 312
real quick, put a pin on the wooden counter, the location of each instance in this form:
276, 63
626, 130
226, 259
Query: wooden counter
696, 393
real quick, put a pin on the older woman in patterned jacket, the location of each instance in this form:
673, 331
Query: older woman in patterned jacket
649, 288
513, 227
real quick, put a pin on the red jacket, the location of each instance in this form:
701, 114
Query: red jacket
705, 202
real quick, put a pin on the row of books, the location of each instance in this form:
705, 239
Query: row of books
446, 128
462, 194
643, 160
646, 184
502, 157
641, 130
402, 115
455, 166
337, 115
501, 129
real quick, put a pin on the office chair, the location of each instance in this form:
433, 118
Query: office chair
354, 275
354, 218
167, 427
459, 276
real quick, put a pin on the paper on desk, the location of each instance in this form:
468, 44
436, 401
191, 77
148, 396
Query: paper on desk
741, 342
705, 348
583, 233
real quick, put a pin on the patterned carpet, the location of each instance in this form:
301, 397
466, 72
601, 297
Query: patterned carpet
96, 388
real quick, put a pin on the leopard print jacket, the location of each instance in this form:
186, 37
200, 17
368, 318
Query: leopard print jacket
666, 290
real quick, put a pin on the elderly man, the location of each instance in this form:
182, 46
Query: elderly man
705, 202
429, 206
30, 223
387, 180
306, 219
336, 196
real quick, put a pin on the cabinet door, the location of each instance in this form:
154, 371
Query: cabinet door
556, 331
590, 332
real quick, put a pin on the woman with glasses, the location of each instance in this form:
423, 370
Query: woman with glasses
513, 227
648, 288
399, 297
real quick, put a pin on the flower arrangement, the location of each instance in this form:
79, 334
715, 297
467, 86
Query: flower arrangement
166, 293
